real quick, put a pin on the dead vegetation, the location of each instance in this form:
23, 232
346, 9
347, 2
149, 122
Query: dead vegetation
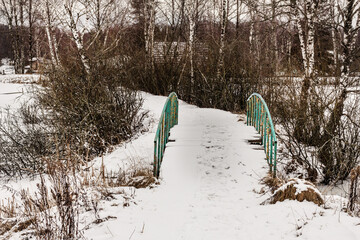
63, 194
297, 189
272, 183
53, 212
354, 196
87, 113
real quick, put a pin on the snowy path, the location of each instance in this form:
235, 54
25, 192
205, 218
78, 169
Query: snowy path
209, 182
221, 169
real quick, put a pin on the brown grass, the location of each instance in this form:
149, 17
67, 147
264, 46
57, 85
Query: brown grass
141, 181
272, 183
354, 197
310, 194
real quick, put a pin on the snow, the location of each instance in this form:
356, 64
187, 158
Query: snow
209, 188
210, 184
12, 96
300, 185
20, 78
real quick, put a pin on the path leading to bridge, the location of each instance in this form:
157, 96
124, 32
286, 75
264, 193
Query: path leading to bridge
210, 189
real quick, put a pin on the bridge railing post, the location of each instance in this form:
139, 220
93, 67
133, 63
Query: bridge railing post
168, 119
258, 115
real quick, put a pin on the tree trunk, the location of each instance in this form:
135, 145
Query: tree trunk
21, 36
78, 41
31, 39
237, 24
334, 38
149, 31
220, 67
191, 52
50, 43
274, 35
48, 29
307, 45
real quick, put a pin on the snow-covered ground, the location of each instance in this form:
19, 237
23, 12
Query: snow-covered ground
20, 78
10, 94
209, 188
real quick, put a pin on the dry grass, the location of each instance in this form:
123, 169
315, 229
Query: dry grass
137, 176
272, 183
53, 211
297, 189
354, 196
7, 208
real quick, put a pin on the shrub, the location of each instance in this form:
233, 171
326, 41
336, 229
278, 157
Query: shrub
54, 211
86, 113
91, 112
325, 155
24, 138
354, 196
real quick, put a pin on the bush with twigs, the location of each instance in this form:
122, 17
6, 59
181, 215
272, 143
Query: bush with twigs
87, 113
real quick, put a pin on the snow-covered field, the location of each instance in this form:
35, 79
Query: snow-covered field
20, 78
10, 94
210, 188
14, 88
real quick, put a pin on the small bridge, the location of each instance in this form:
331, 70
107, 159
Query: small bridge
210, 173
258, 115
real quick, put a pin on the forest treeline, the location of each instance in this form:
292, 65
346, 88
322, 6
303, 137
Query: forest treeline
188, 46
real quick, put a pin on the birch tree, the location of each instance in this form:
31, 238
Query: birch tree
238, 13
192, 10
31, 11
49, 18
305, 17
104, 16
71, 14
96, 18
223, 22
274, 6
149, 32
253, 10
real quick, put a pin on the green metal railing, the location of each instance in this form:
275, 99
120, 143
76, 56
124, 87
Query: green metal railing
258, 115
168, 119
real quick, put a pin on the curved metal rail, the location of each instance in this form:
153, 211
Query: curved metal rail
258, 115
168, 119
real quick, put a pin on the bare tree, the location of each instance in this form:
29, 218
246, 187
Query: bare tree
350, 30
10, 10
192, 10
73, 12
334, 18
223, 21
49, 18
149, 32
305, 17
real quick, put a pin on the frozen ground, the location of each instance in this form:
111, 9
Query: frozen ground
209, 188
